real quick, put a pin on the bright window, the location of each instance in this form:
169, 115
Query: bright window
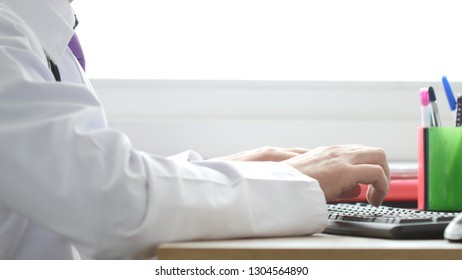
393, 40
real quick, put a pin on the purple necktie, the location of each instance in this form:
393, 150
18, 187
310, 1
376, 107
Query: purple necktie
76, 49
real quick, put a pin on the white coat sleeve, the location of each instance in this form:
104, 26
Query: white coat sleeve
65, 170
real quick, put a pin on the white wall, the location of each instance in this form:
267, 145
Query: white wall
221, 117
363, 40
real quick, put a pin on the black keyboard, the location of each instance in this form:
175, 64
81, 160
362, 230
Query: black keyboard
362, 219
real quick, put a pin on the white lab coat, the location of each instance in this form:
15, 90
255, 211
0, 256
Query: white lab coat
69, 184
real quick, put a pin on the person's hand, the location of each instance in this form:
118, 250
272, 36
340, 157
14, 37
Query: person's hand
340, 169
265, 154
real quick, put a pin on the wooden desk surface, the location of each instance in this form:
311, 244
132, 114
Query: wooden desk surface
316, 247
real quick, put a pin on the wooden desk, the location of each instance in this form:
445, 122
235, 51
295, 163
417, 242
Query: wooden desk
316, 247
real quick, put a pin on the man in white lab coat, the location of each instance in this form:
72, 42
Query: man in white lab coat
71, 186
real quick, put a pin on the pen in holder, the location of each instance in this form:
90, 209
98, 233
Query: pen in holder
440, 168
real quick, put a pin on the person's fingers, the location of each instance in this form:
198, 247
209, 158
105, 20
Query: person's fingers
351, 193
277, 155
366, 155
375, 176
280, 154
375, 197
297, 150
265, 154
284, 155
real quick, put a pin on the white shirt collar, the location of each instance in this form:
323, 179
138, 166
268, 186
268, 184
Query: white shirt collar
50, 20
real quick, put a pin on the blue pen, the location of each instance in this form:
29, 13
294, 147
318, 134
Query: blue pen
449, 94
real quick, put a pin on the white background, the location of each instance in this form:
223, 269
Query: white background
392, 40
